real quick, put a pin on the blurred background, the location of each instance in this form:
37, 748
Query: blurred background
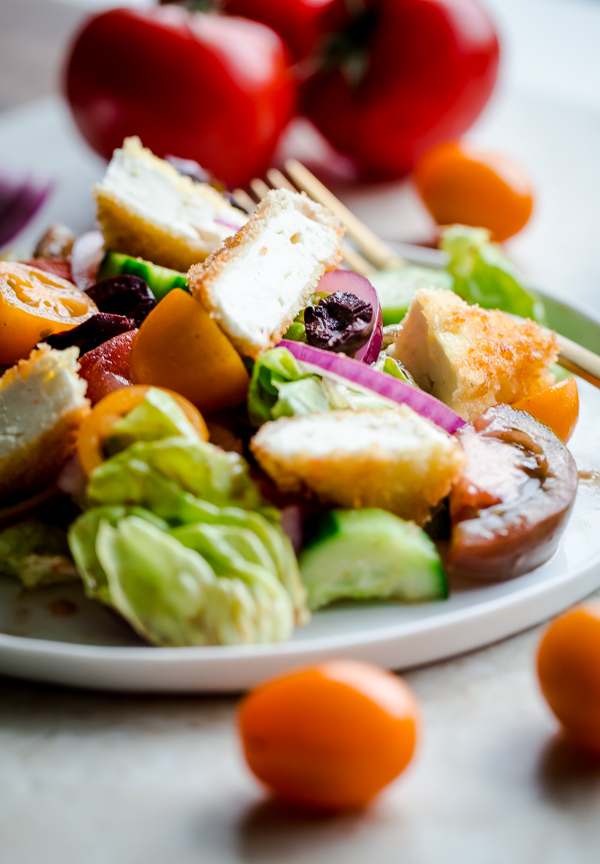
545, 113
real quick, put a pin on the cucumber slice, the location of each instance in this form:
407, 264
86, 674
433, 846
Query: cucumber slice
370, 554
396, 288
160, 280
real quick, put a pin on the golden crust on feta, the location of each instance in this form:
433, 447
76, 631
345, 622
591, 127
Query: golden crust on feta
147, 209
42, 404
395, 460
258, 281
473, 358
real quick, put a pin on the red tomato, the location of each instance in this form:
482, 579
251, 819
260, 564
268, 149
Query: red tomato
106, 368
418, 72
203, 87
329, 736
302, 23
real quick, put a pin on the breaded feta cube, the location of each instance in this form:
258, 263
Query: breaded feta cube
147, 209
42, 404
472, 358
258, 281
395, 460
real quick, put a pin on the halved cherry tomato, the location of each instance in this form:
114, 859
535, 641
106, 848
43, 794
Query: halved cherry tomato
106, 368
568, 666
459, 183
113, 408
329, 736
179, 346
34, 304
556, 407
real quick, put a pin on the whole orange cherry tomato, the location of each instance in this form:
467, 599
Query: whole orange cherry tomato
180, 347
460, 184
34, 304
113, 408
556, 407
329, 736
569, 672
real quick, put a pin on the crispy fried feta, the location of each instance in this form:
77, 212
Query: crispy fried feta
473, 358
42, 403
146, 208
258, 281
395, 460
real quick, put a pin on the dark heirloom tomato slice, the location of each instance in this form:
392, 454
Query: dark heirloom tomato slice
511, 504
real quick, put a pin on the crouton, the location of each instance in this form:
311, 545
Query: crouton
42, 404
147, 209
473, 358
258, 281
395, 460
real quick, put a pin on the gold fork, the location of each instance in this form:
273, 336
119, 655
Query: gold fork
374, 254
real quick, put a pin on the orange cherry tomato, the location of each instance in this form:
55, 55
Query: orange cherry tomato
330, 736
113, 408
179, 346
461, 184
556, 407
34, 304
569, 672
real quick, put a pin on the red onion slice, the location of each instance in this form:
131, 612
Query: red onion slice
353, 283
86, 257
19, 203
353, 373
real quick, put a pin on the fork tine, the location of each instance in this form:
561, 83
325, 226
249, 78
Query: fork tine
279, 181
242, 199
259, 187
370, 245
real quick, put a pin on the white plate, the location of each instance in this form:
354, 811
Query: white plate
58, 636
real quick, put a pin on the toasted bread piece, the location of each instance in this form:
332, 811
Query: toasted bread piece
395, 460
147, 209
258, 281
42, 404
473, 358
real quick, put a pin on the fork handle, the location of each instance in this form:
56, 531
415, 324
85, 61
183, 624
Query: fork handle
375, 250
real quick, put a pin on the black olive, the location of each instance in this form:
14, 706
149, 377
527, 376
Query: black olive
340, 322
99, 328
123, 295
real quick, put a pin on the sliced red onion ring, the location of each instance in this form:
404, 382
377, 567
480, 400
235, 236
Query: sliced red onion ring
86, 257
19, 203
352, 373
354, 283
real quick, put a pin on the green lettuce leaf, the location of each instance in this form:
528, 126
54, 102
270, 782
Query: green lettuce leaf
173, 596
158, 416
158, 475
483, 274
281, 387
36, 553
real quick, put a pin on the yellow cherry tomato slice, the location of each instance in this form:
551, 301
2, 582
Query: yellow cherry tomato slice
568, 665
556, 407
111, 409
179, 346
33, 305
459, 183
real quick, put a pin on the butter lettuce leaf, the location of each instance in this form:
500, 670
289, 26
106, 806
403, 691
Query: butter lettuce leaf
171, 593
281, 387
36, 553
159, 475
483, 274
158, 416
